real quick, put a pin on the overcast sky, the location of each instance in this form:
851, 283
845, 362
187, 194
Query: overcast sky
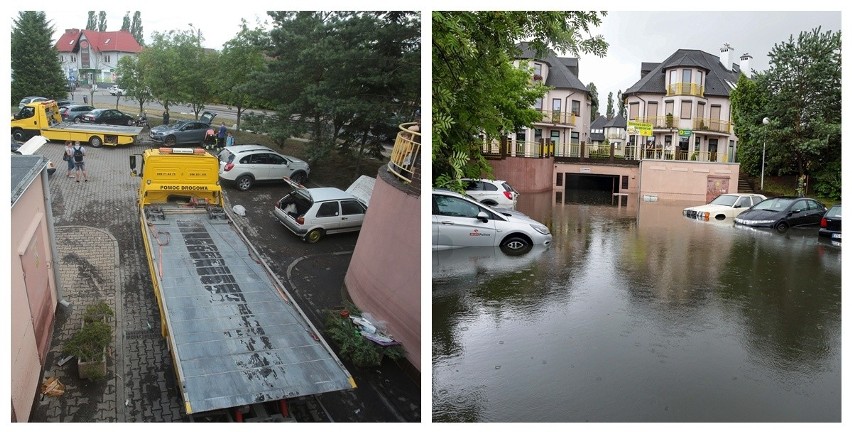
636, 37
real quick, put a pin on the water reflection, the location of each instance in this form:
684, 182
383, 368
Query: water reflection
636, 313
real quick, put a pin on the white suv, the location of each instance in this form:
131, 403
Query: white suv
495, 193
246, 164
458, 221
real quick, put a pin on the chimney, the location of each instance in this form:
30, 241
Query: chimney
744, 64
725, 56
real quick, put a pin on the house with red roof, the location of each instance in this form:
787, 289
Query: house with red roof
89, 56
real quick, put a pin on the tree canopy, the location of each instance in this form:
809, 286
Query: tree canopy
36, 70
476, 89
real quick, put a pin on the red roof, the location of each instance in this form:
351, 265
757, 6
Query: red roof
120, 41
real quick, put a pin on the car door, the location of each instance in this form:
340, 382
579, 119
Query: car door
190, 133
351, 215
327, 216
815, 212
276, 166
798, 213
455, 223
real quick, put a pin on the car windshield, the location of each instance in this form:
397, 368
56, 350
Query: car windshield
226, 156
773, 204
724, 200
834, 212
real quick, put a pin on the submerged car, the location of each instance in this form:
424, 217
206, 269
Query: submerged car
829, 225
312, 213
458, 221
247, 164
724, 206
781, 213
183, 132
495, 193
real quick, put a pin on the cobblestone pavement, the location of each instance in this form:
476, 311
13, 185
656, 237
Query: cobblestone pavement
102, 257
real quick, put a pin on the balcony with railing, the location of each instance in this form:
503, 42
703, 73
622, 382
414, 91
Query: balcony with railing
558, 117
711, 125
405, 156
685, 89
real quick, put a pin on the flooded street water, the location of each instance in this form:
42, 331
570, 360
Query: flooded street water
636, 313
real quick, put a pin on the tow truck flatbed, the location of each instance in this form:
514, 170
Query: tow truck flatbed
236, 336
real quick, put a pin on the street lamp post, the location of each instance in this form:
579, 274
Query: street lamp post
763, 158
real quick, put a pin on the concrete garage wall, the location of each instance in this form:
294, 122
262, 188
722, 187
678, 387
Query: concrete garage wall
384, 275
684, 180
526, 175
28, 222
599, 169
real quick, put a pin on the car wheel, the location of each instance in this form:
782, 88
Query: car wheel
18, 134
516, 245
244, 182
298, 177
130, 122
96, 141
76, 120
313, 236
782, 227
170, 141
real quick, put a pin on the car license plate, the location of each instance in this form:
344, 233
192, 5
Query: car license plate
835, 235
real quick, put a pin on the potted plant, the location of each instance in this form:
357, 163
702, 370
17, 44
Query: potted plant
669, 120
89, 344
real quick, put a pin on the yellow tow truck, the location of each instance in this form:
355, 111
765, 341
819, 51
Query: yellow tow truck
239, 343
43, 118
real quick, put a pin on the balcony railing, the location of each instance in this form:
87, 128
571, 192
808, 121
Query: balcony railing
405, 157
523, 149
690, 89
714, 125
677, 154
558, 117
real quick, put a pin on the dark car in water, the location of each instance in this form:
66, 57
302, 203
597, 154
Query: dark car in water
109, 116
781, 213
829, 225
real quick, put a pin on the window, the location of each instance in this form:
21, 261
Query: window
454, 207
672, 77
669, 107
575, 138
800, 206
575, 107
538, 103
554, 137
686, 110
700, 110
537, 69
351, 207
634, 111
687, 76
538, 135
521, 136
328, 209
106, 59
557, 105
624, 182
651, 109
488, 186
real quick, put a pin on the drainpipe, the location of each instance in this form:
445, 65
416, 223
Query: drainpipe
51, 234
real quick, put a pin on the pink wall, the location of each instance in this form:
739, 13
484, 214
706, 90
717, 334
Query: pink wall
27, 214
526, 175
684, 180
384, 274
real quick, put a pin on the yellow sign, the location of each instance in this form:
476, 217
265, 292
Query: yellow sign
639, 128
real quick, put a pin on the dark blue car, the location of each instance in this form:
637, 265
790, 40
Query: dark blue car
781, 213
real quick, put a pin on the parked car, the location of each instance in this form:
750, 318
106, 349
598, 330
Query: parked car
109, 116
30, 99
116, 91
182, 133
459, 221
781, 213
724, 206
63, 103
496, 193
829, 225
312, 213
74, 113
246, 164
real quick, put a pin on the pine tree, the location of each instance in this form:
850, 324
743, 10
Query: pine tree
593, 94
610, 113
91, 23
102, 25
136, 28
125, 24
36, 70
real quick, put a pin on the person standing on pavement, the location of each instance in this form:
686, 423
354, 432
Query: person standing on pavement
222, 131
229, 141
69, 157
79, 164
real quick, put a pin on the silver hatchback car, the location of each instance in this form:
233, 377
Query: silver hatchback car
312, 213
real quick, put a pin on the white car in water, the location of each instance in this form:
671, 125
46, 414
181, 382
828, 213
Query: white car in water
725, 206
459, 221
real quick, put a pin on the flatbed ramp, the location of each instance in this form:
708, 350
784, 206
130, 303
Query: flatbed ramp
98, 127
236, 339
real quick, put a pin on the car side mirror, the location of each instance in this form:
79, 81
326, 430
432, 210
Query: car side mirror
482, 216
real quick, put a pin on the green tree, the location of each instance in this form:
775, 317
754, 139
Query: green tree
610, 113
102, 24
240, 59
131, 78
34, 60
92, 23
476, 89
803, 85
621, 107
160, 63
125, 24
136, 28
593, 94
748, 108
